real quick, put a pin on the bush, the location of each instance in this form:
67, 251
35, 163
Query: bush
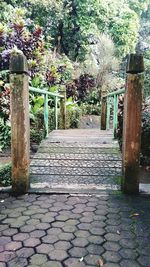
5, 175
145, 140
73, 118
5, 134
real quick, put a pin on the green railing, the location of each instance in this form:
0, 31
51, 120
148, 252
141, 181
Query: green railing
111, 100
46, 94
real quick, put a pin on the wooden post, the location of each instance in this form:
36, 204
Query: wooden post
132, 124
20, 129
63, 108
103, 113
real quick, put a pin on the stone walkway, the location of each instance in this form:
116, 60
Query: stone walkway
74, 231
76, 160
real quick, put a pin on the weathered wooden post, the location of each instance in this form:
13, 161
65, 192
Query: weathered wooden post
20, 129
103, 113
63, 108
132, 124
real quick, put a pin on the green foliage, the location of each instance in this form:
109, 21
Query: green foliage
73, 114
5, 134
5, 175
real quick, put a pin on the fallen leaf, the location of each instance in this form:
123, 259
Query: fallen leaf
2, 201
100, 263
134, 214
81, 259
118, 232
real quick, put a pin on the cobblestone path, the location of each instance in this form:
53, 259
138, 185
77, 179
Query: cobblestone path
74, 231
76, 160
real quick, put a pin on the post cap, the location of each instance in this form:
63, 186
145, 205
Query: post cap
135, 64
18, 63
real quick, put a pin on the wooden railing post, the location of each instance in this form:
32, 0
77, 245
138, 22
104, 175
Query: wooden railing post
103, 113
63, 108
20, 129
132, 124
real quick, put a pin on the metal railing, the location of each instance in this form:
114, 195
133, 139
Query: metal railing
111, 100
46, 94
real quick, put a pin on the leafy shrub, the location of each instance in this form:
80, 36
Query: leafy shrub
90, 109
80, 87
145, 140
73, 118
5, 175
5, 134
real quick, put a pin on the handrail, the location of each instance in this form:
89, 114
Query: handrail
118, 92
45, 92
46, 111
111, 99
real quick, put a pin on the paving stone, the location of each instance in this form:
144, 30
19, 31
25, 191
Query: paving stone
72, 222
111, 256
47, 219
96, 239
20, 237
25, 252
97, 231
73, 262
13, 246
80, 242
84, 226
6, 256
91, 259
128, 243
112, 237
69, 228
42, 226
33, 221
37, 233
66, 236
112, 265
128, 253
17, 262
112, 229
86, 219
50, 239
58, 224
31, 242
129, 263
112, 246
4, 240
81, 233
98, 224
62, 218
44, 248
38, 259
27, 228
54, 231
95, 249
144, 250
10, 232
78, 252
62, 245
113, 221
52, 264
2, 248
144, 261
57, 254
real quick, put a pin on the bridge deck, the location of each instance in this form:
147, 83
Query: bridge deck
76, 160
